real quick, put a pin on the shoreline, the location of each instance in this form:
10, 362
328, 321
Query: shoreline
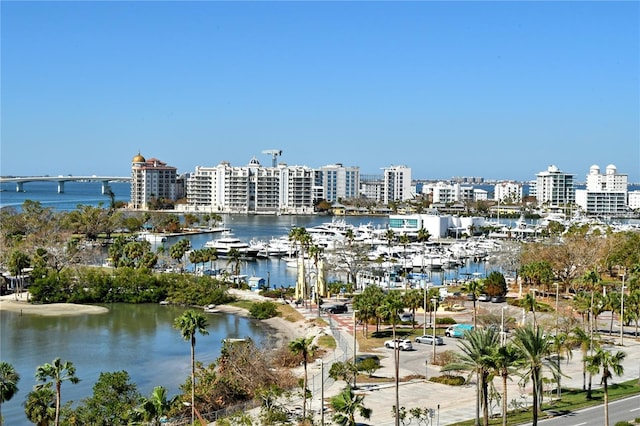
281, 329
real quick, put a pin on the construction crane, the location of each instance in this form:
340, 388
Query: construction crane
274, 153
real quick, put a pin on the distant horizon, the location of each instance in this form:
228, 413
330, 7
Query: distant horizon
447, 88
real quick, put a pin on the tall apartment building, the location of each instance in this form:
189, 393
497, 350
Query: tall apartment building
252, 189
338, 182
445, 192
508, 191
605, 193
372, 187
554, 188
397, 184
151, 179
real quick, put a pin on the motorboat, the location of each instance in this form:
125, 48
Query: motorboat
211, 309
228, 242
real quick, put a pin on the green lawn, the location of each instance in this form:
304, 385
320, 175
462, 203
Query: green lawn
572, 400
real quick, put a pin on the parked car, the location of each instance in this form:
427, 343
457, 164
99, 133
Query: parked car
406, 316
498, 299
402, 344
484, 298
457, 330
471, 297
335, 309
428, 339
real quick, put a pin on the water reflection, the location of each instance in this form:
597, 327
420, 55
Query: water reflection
137, 338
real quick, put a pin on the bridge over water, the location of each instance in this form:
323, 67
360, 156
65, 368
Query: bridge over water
20, 181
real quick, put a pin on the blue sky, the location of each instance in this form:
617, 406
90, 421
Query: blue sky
497, 89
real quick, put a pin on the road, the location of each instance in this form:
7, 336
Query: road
621, 410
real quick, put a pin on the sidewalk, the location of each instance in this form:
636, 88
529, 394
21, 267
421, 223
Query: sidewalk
453, 404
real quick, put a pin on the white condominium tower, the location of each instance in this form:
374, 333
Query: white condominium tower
554, 188
397, 184
151, 179
605, 193
251, 189
339, 182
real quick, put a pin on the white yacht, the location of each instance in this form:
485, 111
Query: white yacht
228, 241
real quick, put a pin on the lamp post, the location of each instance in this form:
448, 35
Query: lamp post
355, 374
502, 334
557, 313
433, 341
424, 321
622, 311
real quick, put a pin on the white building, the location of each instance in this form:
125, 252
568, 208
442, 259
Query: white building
605, 193
444, 192
151, 179
251, 189
338, 182
634, 200
397, 184
508, 192
554, 188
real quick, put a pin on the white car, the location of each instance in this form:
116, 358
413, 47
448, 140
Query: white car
402, 344
428, 339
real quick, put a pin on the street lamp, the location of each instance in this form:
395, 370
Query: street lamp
433, 341
557, 313
424, 321
355, 374
502, 334
622, 311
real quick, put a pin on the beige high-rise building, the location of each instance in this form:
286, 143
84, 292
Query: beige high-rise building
151, 179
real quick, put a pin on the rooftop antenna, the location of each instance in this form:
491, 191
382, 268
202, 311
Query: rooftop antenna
274, 153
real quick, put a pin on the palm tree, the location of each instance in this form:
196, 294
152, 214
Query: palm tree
583, 340
345, 406
391, 308
561, 344
9, 379
535, 348
58, 372
303, 346
611, 364
235, 258
475, 288
40, 405
478, 349
506, 359
152, 409
189, 323
529, 304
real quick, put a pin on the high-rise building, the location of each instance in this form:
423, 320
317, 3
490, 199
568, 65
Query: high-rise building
397, 184
605, 193
554, 188
508, 191
151, 179
251, 189
339, 182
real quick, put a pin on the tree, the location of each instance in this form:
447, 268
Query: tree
495, 284
390, 309
18, 261
506, 358
57, 372
346, 404
40, 405
190, 323
152, 409
475, 288
610, 364
179, 249
478, 355
303, 346
9, 379
113, 402
367, 304
535, 348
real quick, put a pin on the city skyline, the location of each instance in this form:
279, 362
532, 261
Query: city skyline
499, 90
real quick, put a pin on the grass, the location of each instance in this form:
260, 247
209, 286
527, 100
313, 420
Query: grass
571, 400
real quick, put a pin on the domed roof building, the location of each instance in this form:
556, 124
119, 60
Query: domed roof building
152, 179
138, 159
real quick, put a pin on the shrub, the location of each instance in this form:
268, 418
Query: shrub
449, 380
445, 320
263, 310
623, 424
446, 357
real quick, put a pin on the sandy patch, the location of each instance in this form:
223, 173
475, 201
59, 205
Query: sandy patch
9, 303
